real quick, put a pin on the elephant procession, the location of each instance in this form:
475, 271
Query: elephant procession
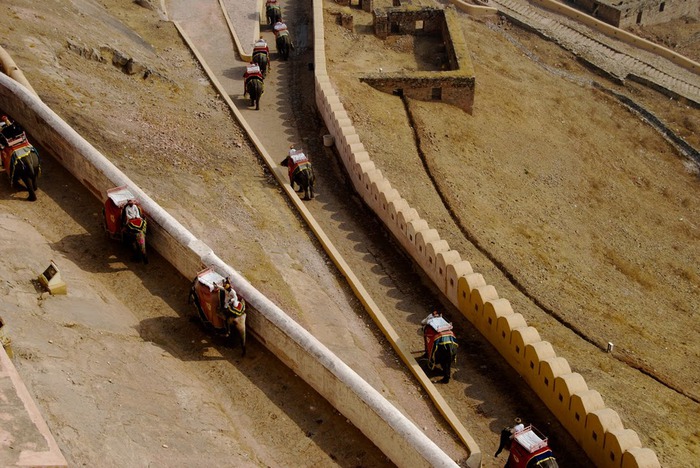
219, 307
260, 65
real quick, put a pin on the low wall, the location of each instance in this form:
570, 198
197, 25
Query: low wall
367, 409
407, 20
455, 86
580, 410
9, 68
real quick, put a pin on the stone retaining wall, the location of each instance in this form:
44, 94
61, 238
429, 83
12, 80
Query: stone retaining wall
581, 410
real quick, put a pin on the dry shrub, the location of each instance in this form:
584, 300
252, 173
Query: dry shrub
605, 365
524, 231
685, 272
628, 269
690, 125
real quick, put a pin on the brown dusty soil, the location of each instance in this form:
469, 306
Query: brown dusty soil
579, 213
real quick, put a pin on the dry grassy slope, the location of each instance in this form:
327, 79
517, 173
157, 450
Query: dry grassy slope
592, 214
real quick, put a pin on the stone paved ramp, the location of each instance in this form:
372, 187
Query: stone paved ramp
619, 60
25, 439
244, 16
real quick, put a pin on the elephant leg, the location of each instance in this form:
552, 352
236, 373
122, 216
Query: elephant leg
135, 253
30, 188
142, 249
26, 178
307, 190
239, 324
446, 365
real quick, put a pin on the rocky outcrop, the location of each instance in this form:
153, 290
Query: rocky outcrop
108, 54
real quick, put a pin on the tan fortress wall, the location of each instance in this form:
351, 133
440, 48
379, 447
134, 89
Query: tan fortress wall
369, 411
577, 407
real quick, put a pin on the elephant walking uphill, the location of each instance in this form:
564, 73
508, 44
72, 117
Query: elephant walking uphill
20, 159
283, 40
440, 344
218, 305
254, 84
261, 59
23, 167
273, 12
300, 172
261, 55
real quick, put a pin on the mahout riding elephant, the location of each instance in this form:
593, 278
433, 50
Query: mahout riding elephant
440, 344
443, 354
125, 221
218, 306
284, 45
300, 172
24, 169
254, 88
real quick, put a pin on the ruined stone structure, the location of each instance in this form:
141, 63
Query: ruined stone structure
364, 5
626, 13
454, 86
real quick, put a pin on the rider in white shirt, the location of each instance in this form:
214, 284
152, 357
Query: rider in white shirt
131, 210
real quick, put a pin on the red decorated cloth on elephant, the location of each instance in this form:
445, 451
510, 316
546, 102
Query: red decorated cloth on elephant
252, 72
136, 224
261, 46
297, 162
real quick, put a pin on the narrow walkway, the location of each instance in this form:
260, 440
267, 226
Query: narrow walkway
621, 61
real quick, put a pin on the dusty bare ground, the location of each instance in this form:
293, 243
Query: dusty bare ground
577, 211
591, 217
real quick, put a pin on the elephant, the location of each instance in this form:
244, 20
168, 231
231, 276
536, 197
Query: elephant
134, 235
273, 13
215, 315
284, 45
24, 169
441, 350
263, 61
254, 87
301, 172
